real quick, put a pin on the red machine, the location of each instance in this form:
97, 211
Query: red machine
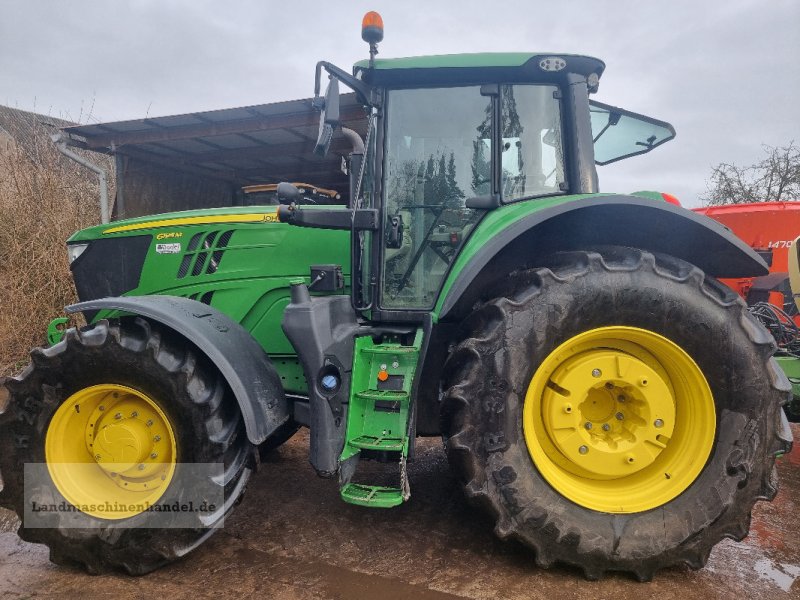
770, 228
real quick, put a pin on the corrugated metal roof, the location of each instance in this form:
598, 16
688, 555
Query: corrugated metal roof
245, 145
23, 126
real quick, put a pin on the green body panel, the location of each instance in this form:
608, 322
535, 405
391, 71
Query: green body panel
254, 269
492, 224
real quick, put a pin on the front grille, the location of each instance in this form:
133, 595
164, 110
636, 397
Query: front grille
110, 266
204, 253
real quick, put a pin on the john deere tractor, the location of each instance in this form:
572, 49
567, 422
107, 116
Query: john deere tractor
600, 394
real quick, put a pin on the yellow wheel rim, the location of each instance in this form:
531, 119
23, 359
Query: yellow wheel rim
619, 420
110, 451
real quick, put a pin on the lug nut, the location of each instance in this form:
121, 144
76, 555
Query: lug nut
619, 416
134, 414
149, 422
154, 455
97, 457
141, 467
588, 425
596, 372
157, 438
620, 398
101, 407
395, 365
606, 426
118, 416
658, 423
609, 385
583, 449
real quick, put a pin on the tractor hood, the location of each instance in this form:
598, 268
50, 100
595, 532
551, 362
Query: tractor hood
159, 224
205, 255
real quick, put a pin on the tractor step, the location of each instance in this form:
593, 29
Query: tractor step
378, 417
390, 349
373, 496
391, 395
368, 442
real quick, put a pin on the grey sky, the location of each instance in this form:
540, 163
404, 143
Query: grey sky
725, 74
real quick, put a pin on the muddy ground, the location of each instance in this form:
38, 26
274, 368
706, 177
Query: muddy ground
292, 538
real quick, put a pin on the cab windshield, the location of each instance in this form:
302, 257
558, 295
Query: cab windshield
438, 153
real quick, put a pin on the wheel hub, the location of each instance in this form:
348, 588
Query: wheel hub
110, 444
607, 413
619, 419
120, 447
126, 435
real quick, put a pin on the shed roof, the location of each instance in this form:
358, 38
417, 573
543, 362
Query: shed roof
24, 126
246, 145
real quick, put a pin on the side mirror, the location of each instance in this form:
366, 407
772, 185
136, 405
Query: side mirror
328, 118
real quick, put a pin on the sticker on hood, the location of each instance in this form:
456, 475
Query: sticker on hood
168, 248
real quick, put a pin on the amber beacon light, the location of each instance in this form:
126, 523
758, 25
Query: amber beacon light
372, 28
372, 33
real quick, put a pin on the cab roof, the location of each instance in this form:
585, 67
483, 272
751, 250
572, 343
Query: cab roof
505, 66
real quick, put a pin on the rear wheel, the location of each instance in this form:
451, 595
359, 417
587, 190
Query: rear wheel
122, 419
616, 411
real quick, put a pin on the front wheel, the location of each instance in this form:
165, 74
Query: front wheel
616, 410
121, 448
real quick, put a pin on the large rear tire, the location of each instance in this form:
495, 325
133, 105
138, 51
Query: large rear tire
616, 411
157, 407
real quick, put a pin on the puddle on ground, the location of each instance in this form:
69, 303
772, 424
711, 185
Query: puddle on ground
781, 574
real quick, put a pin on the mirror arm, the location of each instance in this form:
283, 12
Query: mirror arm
363, 91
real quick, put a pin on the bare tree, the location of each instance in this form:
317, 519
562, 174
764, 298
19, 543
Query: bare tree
776, 177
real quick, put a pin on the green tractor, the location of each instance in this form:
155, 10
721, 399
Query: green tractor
600, 394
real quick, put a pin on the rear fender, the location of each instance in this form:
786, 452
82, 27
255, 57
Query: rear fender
586, 222
239, 358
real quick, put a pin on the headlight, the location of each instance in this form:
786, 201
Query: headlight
75, 250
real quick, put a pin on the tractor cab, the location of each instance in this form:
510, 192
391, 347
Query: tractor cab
450, 139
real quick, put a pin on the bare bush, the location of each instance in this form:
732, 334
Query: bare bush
44, 198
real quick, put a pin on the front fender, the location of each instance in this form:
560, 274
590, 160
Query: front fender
514, 236
239, 358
